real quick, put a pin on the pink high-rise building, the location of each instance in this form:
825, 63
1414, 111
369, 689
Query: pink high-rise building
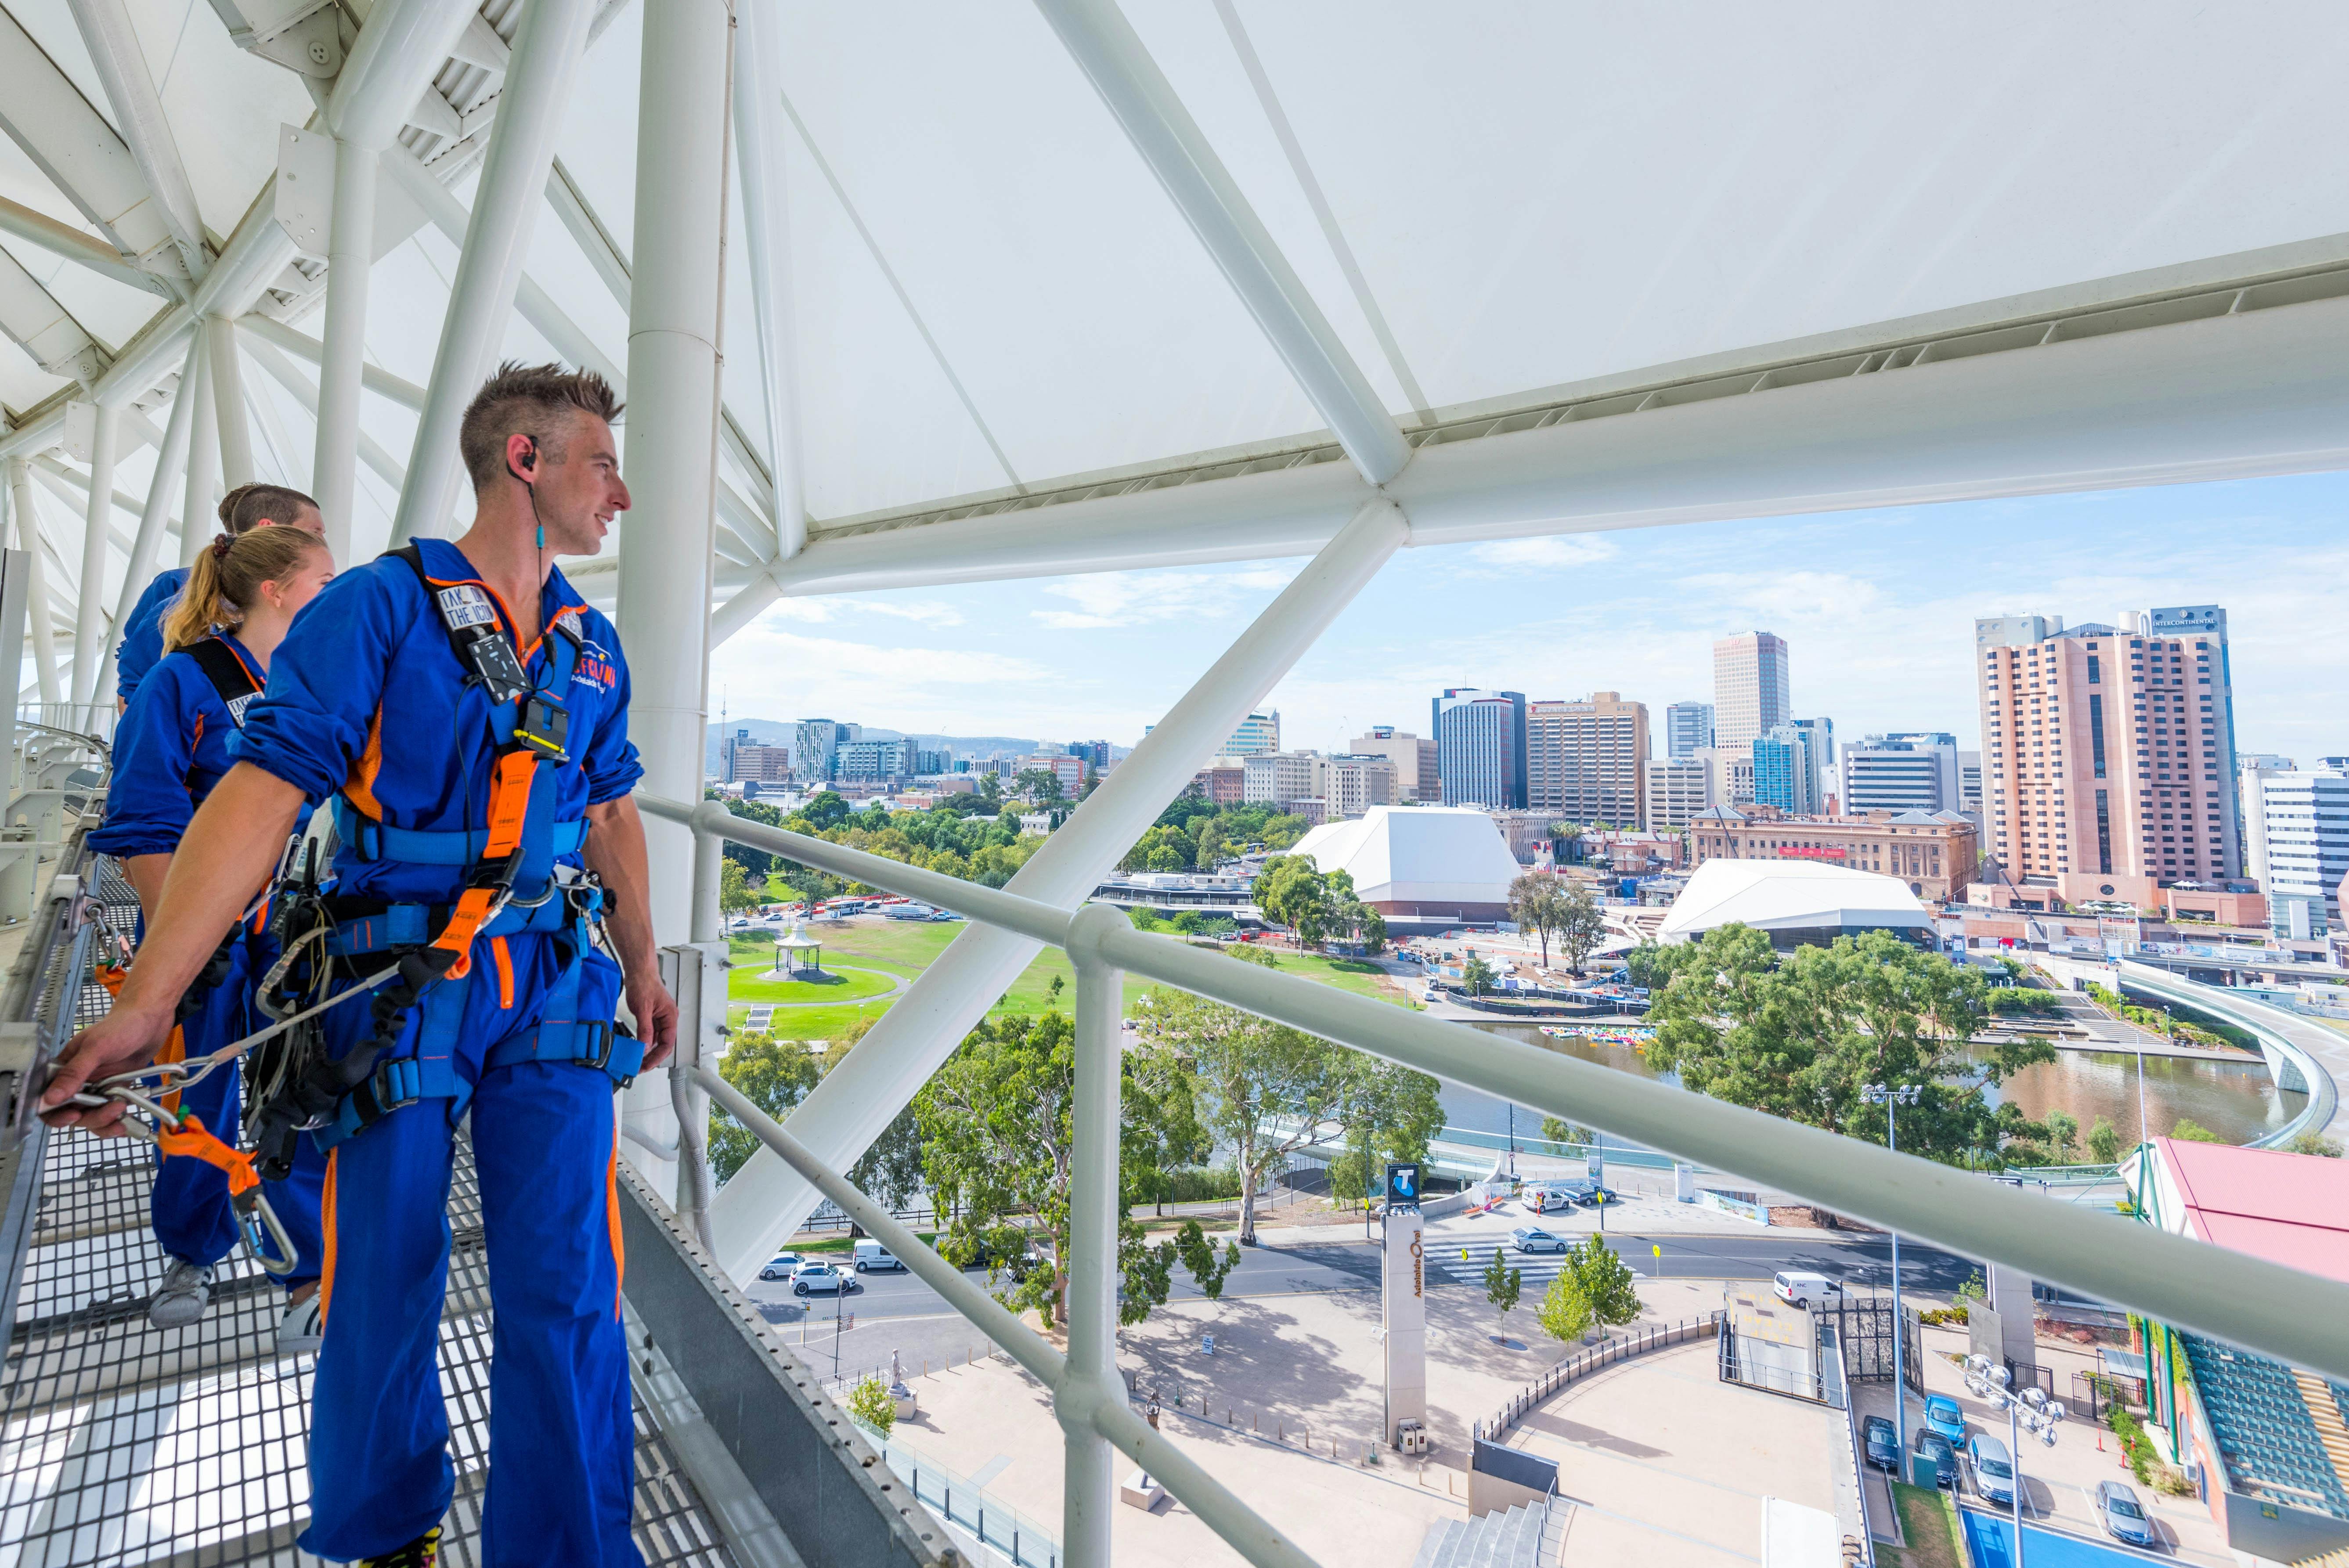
2105, 753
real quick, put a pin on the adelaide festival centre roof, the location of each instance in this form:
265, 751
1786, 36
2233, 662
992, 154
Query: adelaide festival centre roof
1790, 895
1416, 855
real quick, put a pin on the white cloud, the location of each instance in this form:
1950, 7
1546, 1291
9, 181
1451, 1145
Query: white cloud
1554, 554
1110, 599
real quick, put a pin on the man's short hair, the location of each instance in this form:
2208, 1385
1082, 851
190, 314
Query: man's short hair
247, 507
527, 400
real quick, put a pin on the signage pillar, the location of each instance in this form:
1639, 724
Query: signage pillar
1405, 1300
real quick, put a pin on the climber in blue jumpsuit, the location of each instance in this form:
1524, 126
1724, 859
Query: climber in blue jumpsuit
371, 702
241, 511
172, 747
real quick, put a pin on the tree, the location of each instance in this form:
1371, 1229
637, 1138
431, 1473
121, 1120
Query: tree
1208, 1268
1554, 1130
1804, 1039
1563, 1313
997, 1128
1607, 1283
1210, 844
2193, 1131
1041, 785
757, 863
773, 1075
1388, 1113
868, 1401
1476, 976
828, 810
2315, 1143
735, 892
1266, 1089
1503, 1284
1650, 966
1538, 904
1161, 848
1291, 892
1172, 1139
990, 788
1581, 926
2104, 1142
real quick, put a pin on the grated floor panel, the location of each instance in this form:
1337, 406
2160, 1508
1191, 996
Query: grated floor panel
121, 1443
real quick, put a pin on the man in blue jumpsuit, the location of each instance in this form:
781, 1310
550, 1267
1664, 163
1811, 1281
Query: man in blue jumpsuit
241, 511
441, 795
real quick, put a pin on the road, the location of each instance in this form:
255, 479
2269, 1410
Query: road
897, 1312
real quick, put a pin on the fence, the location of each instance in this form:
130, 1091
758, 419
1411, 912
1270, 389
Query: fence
1863, 1329
1742, 1361
1004, 1532
1591, 1360
2097, 1392
2296, 1317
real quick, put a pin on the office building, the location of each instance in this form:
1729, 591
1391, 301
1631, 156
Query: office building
887, 763
744, 760
1221, 783
1905, 771
1072, 771
2103, 749
1729, 774
1353, 782
1480, 747
1413, 756
1751, 689
1687, 730
1095, 752
1935, 853
2198, 626
1279, 778
1586, 761
2299, 846
1677, 789
1257, 733
1793, 765
815, 742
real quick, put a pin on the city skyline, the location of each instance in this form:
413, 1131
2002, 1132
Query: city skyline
1877, 608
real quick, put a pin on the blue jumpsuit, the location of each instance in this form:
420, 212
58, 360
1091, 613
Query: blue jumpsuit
366, 698
143, 640
170, 747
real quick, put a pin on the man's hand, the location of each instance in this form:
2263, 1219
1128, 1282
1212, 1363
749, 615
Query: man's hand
655, 1014
126, 1037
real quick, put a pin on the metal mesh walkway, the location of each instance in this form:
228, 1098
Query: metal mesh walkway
122, 1443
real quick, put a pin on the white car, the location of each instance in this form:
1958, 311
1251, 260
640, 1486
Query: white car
822, 1279
1534, 1239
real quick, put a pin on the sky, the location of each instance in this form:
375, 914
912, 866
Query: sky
1878, 609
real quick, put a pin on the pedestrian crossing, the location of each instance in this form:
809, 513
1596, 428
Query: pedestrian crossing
1465, 1261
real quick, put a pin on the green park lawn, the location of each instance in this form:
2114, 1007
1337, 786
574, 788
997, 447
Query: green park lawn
907, 948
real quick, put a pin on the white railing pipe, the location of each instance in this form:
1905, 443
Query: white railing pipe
1239, 1526
488, 265
171, 463
1111, 53
843, 1114
90, 592
40, 618
2262, 1307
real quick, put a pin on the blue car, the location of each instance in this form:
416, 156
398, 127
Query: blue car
1942, 1416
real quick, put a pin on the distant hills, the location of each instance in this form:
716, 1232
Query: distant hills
778, 732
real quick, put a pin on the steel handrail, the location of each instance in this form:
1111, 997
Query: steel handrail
2243, 1300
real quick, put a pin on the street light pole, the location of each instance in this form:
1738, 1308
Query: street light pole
1891, 1097
2030, 1411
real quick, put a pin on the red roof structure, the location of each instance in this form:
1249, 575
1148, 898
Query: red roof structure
2290, 1209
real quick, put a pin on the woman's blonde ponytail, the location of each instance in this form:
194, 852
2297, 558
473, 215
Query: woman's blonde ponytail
227, 578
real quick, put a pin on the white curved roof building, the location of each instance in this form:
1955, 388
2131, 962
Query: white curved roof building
1440, 862
1796, 902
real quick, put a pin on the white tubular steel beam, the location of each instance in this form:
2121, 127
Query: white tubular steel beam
488, 267
400, 51
758, 138
765, 1201
200, 510
33, 318
228, 403
268, 329
44, 114
139, 110
2265, 392
39, 615
305, 392
1106, 47
1089, 1491
69, 243
90, 617
1240, 1527
171, 463
675, 314
2299, 1318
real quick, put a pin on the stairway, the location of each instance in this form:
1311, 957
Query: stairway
2326, 1411
1510, 1540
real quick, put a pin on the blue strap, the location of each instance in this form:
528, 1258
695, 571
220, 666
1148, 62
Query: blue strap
412, 924
368, 839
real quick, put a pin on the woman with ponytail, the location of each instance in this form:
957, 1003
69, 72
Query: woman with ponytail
241, 511
171, 747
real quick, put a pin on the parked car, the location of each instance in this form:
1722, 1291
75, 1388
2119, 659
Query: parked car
1882, 1443
871, 1256
2124, 1516
1993, 1471
822, 1279
1796, 1288
1546, 1196
1942, 1416
910, 911
1534, 1239
783, 1265
1937, 1448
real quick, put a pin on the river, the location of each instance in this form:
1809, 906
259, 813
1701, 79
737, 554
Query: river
2237, 1102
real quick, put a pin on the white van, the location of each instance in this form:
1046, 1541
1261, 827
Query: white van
1798, 1289
873, 1255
